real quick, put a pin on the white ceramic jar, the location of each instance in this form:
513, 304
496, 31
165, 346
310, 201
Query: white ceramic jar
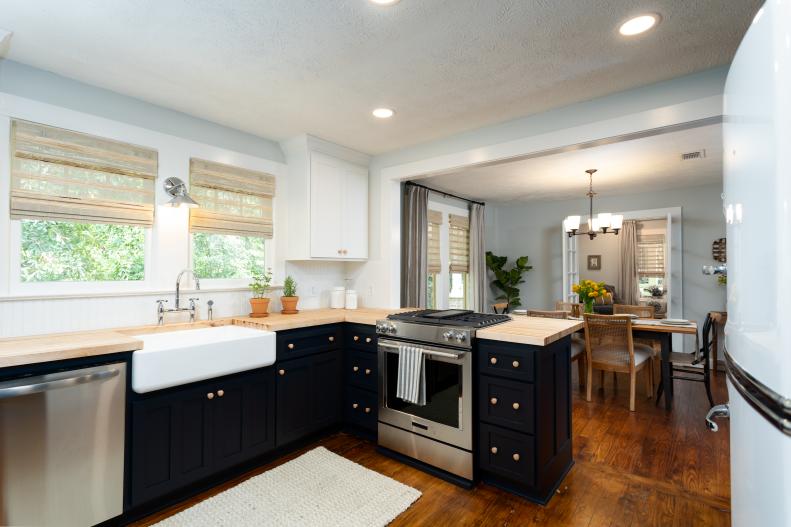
351, 299
337, 297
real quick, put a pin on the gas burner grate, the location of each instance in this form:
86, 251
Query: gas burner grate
463, 318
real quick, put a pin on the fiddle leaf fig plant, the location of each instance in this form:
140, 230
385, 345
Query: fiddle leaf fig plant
507, 280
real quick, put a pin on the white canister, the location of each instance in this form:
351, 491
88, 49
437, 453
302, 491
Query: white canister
351, 299
337, 297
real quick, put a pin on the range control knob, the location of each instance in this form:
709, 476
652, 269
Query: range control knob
447, 335
460, 337
392, 329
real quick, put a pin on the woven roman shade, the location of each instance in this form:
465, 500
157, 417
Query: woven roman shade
61, 175
459, 244
651, 255
232, 200
434, 223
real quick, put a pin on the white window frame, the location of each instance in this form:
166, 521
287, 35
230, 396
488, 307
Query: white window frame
234, 283
19, 288
446, 208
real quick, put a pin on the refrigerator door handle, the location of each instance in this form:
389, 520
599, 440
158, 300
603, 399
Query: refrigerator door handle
774, 407
721, 410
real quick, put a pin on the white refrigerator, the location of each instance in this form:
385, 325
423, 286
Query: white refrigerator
757, 207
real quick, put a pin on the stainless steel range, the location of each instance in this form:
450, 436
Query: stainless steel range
438, 433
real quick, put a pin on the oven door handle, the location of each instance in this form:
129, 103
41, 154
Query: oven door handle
426, 351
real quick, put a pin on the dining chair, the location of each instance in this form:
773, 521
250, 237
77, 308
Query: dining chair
609, 347
690, 363
577, 343
500, 307
566, 306
639, 311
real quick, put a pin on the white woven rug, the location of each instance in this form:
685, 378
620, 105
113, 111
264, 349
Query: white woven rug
318, 488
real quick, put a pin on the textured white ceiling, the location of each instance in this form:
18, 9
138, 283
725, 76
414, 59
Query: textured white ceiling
639, 165
278, 68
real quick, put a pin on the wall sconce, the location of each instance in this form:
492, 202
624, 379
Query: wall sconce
178, 192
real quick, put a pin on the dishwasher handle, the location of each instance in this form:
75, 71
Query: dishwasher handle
11, 389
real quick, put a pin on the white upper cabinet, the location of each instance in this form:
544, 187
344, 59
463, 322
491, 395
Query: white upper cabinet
327, 201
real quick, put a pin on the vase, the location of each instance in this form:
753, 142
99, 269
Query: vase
588, 305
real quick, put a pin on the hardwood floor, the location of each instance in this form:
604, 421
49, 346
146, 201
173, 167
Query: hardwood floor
642, 468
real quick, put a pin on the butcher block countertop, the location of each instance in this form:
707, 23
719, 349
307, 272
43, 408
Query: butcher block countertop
45, 348
530, 330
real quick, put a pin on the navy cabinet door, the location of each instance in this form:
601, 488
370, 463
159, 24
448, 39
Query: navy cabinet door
243, 418
326, 389
294, 419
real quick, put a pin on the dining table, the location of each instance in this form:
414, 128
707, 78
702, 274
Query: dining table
655, 329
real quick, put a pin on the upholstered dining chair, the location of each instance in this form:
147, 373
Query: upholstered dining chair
577, 342
609, 347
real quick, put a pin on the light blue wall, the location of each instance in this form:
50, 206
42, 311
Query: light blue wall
32, 83
534, 229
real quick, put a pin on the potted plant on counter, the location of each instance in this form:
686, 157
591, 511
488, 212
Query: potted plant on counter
260, 286
289, 299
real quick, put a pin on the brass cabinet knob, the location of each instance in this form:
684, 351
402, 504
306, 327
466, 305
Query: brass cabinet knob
281, 372
356, 368
356, 338
367, 410
291, 346
340, 251
355, 405
331, 339
210, 396
516, 457
515, 364
220, 393
368, 371
516, 406
493, 360
494, 450
493, 400
368, 340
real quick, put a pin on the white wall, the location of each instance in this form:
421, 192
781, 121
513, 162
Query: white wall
534, 229
608, 247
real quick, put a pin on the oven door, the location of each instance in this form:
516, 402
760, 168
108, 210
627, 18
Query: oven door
447, 414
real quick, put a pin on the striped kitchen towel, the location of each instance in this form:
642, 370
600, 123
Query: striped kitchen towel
411, 375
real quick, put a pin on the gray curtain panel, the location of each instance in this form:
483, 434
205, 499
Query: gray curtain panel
414, 247
477, 259
627, 281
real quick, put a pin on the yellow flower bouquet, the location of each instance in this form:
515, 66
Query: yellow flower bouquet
589, 291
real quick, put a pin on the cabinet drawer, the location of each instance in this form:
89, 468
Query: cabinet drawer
360, 408
507, 454
300, 342
360, 336
361, 369
506, 403
503, 359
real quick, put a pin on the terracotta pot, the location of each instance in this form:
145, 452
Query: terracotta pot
260, 307
289, 304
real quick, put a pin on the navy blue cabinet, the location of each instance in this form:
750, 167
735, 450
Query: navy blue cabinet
360, 404
185, 434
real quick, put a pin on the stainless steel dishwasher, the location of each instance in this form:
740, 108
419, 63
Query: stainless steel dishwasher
62, 447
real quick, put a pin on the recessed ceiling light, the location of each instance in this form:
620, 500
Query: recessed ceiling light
383, 113
638, 24
385, 2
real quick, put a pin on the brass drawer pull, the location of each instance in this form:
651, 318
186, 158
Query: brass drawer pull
494, 450
516, 406
291, 346
516, 457
356, 338
355, 369
331, 339
493, 360
220, 393
367, 410
515, 364
368, 340
367, 371
355, 405
493, 400
281, 372
210, 396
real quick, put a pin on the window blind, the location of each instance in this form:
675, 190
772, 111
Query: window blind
459, 244
434, 223
232, 200
61, 175
651, 255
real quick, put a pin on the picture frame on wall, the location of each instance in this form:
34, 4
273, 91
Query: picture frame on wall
594, 262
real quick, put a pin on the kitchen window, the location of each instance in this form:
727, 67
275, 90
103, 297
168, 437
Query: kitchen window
231, 228
448, 257
650, 262
81, 208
